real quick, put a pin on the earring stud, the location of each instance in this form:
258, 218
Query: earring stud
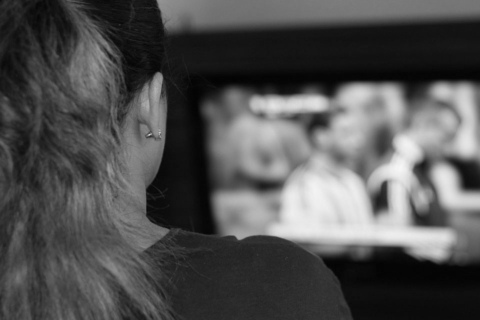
150, 135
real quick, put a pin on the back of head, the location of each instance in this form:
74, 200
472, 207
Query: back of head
67, 72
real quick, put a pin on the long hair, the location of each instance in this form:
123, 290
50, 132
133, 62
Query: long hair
67, 73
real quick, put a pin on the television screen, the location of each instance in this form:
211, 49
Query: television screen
350, 169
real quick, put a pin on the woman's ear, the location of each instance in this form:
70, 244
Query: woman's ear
152, 105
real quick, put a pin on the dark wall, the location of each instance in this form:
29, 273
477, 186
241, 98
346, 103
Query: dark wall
409, 289
383, 51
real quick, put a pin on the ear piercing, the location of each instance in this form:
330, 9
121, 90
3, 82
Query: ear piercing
150, 135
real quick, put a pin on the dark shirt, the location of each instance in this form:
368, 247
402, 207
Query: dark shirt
469, 171
255, 278
423, 199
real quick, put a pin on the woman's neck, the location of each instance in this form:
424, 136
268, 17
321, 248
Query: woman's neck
142, 233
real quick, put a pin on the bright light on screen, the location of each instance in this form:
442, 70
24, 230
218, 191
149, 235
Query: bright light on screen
287, 105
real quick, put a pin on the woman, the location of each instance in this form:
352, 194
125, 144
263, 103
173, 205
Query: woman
82, 127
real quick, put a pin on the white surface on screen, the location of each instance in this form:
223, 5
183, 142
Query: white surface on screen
381, 236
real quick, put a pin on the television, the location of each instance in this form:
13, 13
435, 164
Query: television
280, 78
272, 168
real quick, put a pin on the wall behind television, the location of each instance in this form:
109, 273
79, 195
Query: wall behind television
203, 15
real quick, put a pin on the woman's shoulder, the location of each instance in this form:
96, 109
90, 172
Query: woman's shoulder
258, 277
245, 252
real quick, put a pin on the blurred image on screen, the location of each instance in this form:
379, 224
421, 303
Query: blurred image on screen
349, 169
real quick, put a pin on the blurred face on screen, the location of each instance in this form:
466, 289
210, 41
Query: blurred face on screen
347, 138
437, 130
369, 105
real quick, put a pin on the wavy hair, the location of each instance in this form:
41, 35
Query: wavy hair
67, 72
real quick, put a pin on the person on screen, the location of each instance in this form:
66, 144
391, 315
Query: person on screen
248, 150
323, 191
265, 151
379, 108
250, 156
457, 178
402, 191
83, 106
